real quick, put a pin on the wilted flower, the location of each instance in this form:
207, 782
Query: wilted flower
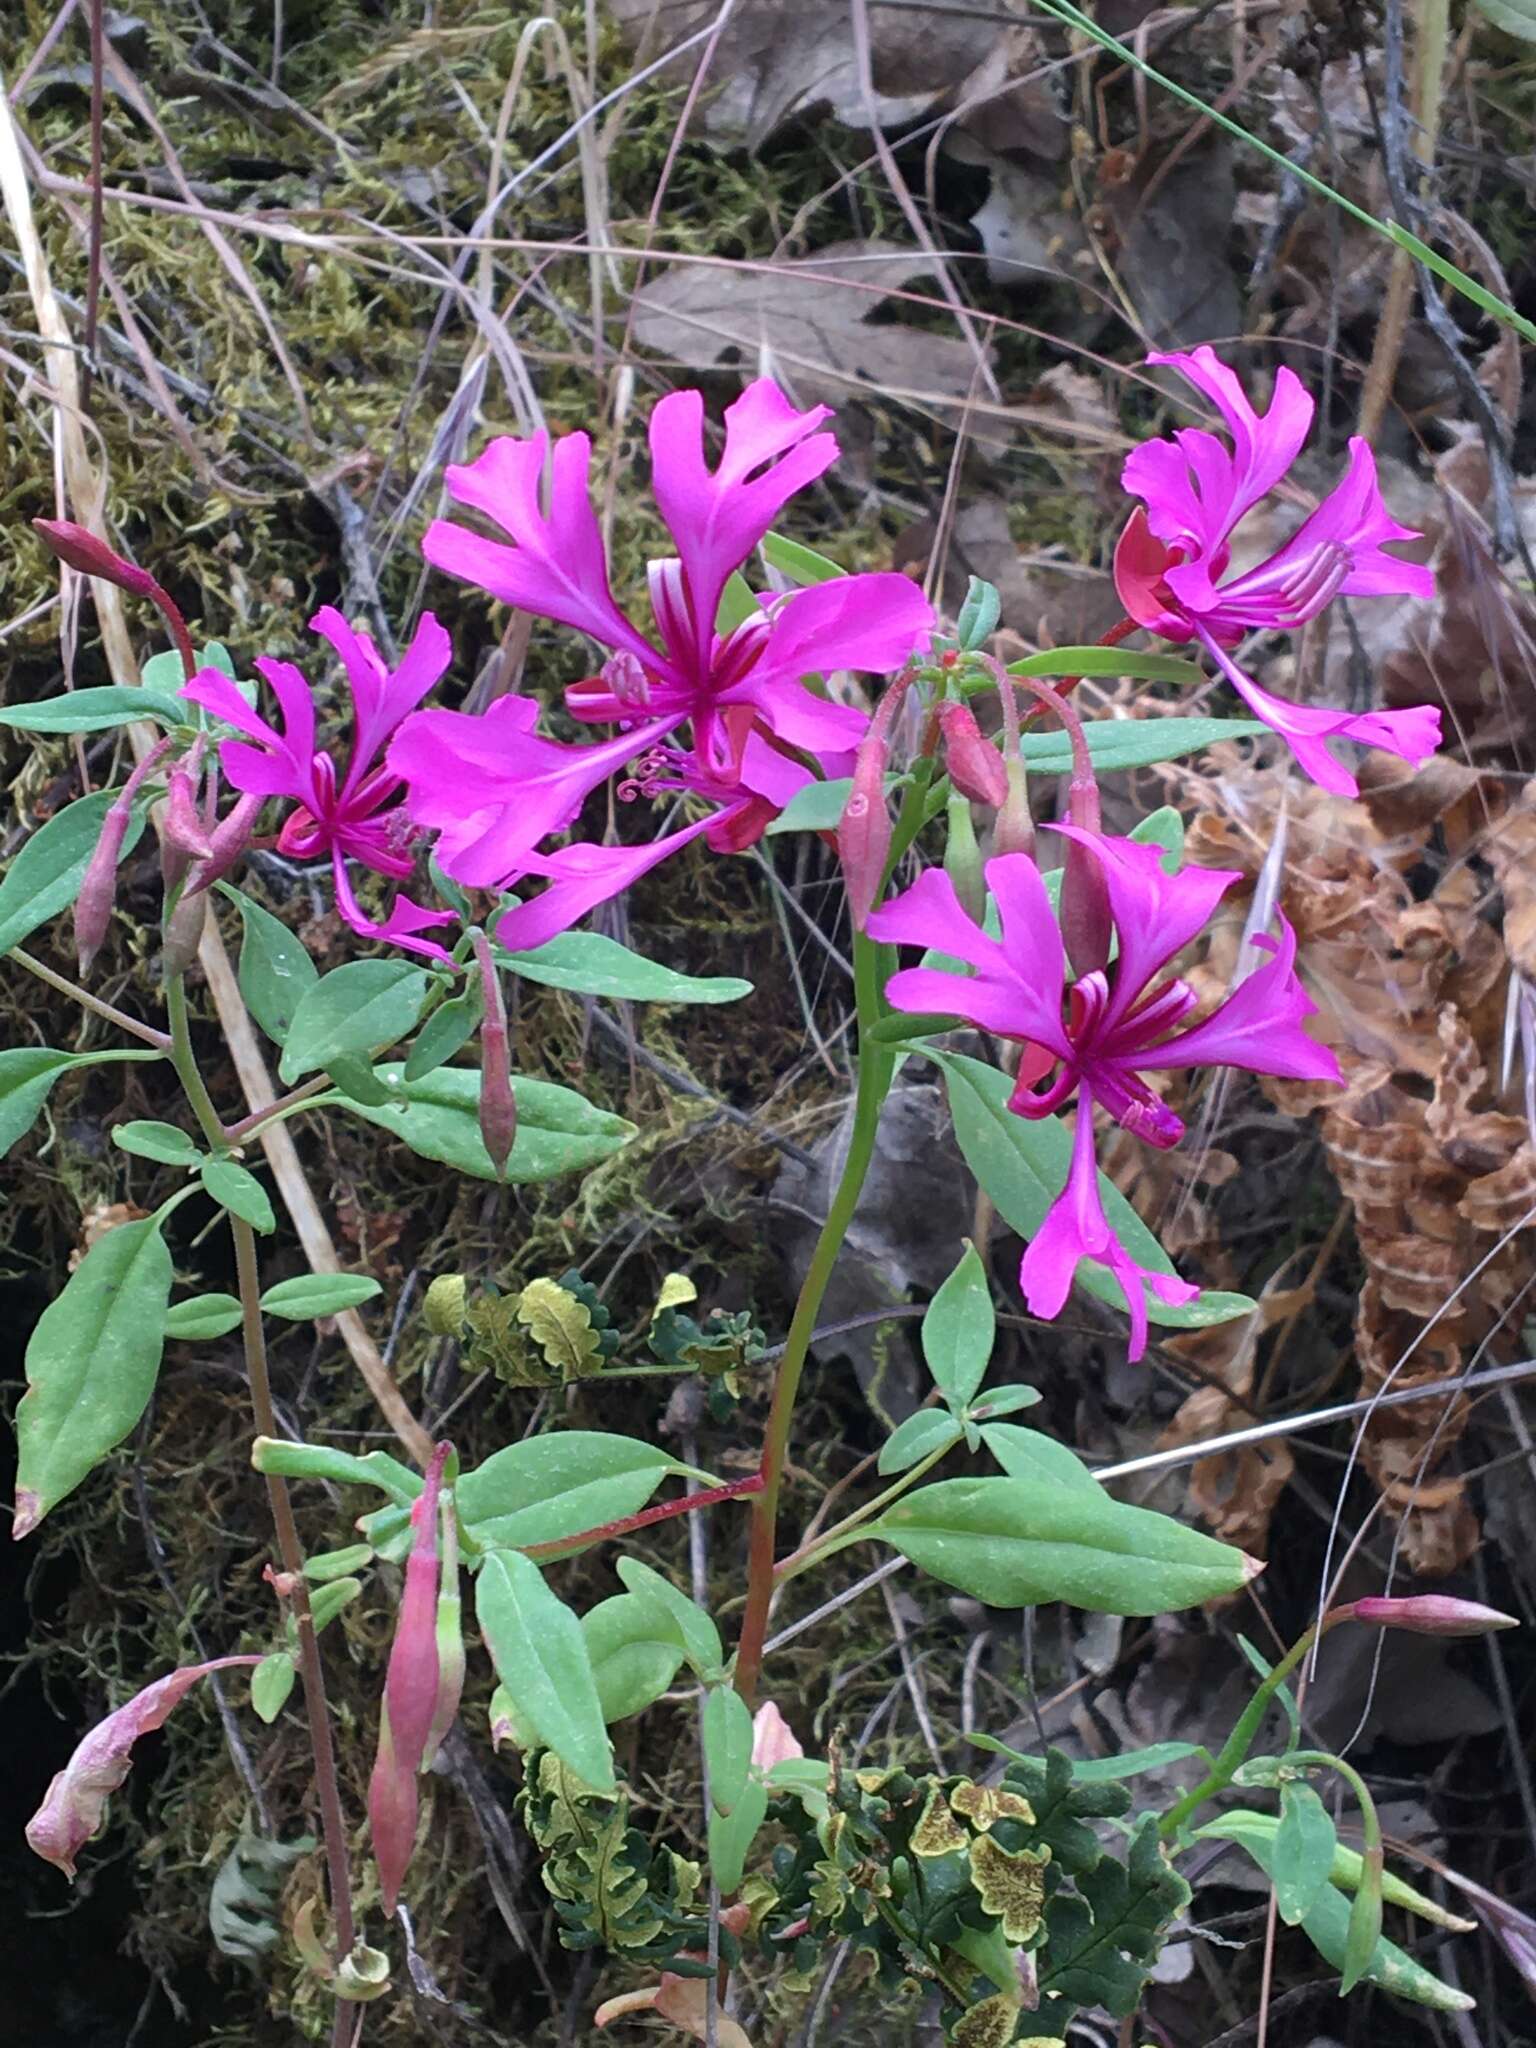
76, 1800
354, 816
1173, 557
1099, 1036
684, 2001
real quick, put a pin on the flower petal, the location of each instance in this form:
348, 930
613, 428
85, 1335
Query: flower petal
580, 877
873, 623
717, 517
381, 698
1258, 1027
1263, 445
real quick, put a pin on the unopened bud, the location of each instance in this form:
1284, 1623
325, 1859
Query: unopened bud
183, 835
864, 829
962, 859
1086, 924
227, 841
1013, 829
80, 549
1431, 1614
410, 1696
450, 1640
498, 1101
183, 935
975, 766
98, 891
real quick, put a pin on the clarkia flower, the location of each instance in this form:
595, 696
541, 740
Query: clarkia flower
1173, 557
1099, 1036
77, 1799
354, 814
495, 788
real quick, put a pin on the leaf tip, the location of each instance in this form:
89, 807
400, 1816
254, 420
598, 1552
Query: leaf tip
29, 1512
1252, 1567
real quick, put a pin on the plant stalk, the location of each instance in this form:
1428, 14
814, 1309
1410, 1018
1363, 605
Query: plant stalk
160, 1040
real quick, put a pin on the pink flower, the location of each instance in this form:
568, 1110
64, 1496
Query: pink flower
773, 1740
1099, 1036
77, 1798
412, 1688
1173, 556
494, 788
352, 816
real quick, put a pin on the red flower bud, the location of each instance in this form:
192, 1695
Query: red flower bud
975, 766
1432, 1614
98, 891
80, 549
864, 829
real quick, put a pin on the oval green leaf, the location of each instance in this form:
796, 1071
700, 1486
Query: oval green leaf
95, 711
558, 1131
353, 1009
540, 1654
557, 1485
271, 1683
27, 1074
632, 1665
202, 1316
959, 1331
731, 1837
240, 1192
1028, 1454
45, 876
929, 1430
318, 1294
683, 1618
589, 964
1303, 1853
1020, 1542
275, 968
726, 1725
91, 1366
449, 1027
166, 1143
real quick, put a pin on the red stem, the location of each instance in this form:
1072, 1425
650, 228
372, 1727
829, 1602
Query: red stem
563, 1546
1062, 684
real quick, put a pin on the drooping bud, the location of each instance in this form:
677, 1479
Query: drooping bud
76, 1800
80, 549
410, 1696
962, 859
1431, 1614
498, 1101
1013, 829
93, 906
450, 1639
773, 1740
183, 935
1086, 924
864, 829
226, 842
975, 766
183, 835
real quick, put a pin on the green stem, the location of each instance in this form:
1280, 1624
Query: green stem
158, 1039
184, 1059
844, 1532
253, 1125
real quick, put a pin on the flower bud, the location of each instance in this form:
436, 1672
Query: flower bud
962, 859
975, 766
80, 549
1086, 924
98, 891
226, 842
410, 1696
1431, 1614
1013, 829
183, 935
183, 836
498, 1101
450, 1640
864, 829
773, 1740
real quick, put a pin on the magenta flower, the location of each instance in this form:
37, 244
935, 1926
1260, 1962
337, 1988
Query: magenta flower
1173, 556
494, 788
1100, 1035
353, 816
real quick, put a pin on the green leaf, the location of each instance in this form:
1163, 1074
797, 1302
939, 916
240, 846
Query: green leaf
557, 1485
726, 1725
1515, 17
1157, 1756
27, 1074
558, 1131
202, 1316
240, 1192
632, 1664
45, 876
817, 806
1027, 1454
318, 1294
687, 1621
929, 1430
271, 1683
336, 1564
91, 1366
1022, 1163
1283, 1697
540, 1654
1362, 1931
327, 1601
166, 1143
801, 564
1326, 1925
275, 969
450, 1026
1164, 828
731, 1837
1101, 1944
589, 964
736, 606
979, 614
353, 1009
1134, 742
959, 1331
1303, 1855
1004, 1401
95, 711
359, 1081
1019, 1542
